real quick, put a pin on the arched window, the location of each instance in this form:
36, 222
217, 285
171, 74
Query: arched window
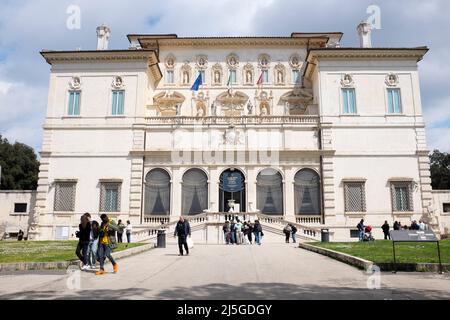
307, 193
194, 192
157, 193
269, 191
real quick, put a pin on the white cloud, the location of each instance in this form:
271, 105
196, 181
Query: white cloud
438, 138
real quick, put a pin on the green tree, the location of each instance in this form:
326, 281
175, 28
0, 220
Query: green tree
19, 166
440, 170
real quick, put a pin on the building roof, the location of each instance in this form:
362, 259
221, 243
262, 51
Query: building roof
315, 54
149, 56
312, 39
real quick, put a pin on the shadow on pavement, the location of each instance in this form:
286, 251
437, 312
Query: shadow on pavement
248, 291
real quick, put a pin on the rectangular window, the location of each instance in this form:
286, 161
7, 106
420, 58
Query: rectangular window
64, 196
349, 98
401, 196
62, 233
355, 197
265, 76
118, 102
110, 197
20, 207
169, 77
295, 76
354, 233
394, 101
446, 207
233, 76
74, 103
202, 72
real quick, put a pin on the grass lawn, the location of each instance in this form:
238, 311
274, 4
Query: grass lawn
44, 251
381, 251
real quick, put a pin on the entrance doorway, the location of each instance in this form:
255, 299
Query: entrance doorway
232, 187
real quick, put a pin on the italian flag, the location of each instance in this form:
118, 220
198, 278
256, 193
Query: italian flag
260, 79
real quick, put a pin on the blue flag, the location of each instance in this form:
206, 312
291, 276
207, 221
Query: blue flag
197, 83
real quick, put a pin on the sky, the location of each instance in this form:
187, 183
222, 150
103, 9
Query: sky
27, 27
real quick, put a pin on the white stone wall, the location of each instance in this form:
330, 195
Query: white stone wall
439, 198
11, 221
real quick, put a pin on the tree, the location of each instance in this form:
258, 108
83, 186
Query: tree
440, 170
19, 166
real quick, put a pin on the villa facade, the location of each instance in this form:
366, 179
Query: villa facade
297, 127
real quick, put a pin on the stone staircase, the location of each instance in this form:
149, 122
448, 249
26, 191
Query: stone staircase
206, 228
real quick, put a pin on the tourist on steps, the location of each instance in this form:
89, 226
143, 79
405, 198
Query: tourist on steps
182, 230
287, 232
294, 233
108, 230
227, 232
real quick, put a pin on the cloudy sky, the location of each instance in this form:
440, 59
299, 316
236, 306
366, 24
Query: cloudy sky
26, 27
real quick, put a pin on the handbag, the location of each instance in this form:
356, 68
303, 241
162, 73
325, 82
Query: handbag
190, 242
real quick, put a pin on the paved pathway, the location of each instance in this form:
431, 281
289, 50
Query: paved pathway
271, 271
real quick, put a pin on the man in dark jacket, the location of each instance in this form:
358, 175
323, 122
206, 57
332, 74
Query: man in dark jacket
182, 230
361, 228
386, 228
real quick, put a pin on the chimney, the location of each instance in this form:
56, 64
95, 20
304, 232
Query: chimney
103, 33
365, 34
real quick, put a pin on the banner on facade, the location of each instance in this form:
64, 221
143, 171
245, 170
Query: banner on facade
232, 182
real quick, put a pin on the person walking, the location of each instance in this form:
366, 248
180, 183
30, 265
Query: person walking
107, 242
93, 244
250, 232
257, 230
128, 231
361, 229
386, 228
121, 227
233, 232
287, 232
182, 230
239, 236
83, 233
227, 232
294, 233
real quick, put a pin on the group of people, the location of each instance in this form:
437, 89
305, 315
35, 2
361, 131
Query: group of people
242, 232
97, 241
365, 232
290, 231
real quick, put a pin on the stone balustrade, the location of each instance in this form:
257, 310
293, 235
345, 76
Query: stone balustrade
184, 120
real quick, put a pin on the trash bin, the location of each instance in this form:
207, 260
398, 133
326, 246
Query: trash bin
325, 235
161, 239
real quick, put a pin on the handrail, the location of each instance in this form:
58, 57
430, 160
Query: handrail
145, 233
180, 120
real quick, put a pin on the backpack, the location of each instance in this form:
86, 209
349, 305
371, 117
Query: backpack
287, 229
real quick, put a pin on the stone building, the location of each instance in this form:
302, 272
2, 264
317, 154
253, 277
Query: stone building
294, 128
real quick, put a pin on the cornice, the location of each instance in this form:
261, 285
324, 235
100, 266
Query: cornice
317, 54
319, 42
98, 55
